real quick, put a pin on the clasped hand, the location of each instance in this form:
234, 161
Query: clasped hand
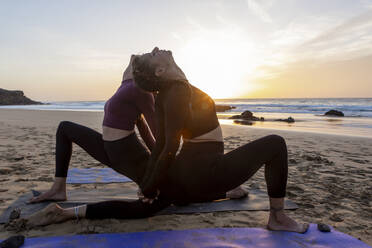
146, 199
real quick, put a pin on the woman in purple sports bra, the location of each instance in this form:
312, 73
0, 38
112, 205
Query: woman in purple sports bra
118, 146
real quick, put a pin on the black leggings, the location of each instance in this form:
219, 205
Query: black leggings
126, 156
201, 172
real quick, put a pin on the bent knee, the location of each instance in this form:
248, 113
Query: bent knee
277, 139
63, 125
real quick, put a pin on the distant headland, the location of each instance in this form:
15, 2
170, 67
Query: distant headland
15, 97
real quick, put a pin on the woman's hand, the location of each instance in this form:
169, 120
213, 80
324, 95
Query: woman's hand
145, 199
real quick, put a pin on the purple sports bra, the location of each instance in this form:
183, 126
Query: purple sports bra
125, 106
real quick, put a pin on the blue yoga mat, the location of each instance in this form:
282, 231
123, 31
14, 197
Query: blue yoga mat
95, 175
202, 238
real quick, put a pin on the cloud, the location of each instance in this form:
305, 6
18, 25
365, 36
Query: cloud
259, 10
352, 38
316, 42
301, 30
323, 39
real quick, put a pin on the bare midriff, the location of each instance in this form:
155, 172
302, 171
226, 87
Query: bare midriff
112, 134
212, 136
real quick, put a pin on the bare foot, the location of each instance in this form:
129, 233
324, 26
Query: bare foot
49, 215
279, 221
50, 195
237, 193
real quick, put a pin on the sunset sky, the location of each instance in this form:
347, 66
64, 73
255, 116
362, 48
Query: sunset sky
77, 50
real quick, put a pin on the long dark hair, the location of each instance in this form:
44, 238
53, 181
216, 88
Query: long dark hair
145, 78
144, 75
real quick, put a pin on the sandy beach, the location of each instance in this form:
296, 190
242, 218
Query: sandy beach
329, 177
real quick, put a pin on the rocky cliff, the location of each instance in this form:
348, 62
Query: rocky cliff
14, 97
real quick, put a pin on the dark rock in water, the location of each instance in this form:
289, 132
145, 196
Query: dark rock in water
243, 122
247, 115
15, 97
13, 242
289, 120
333, 112
223, 108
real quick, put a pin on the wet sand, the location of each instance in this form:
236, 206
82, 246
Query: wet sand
329, 177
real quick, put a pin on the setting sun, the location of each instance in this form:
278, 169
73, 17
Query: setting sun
219, 64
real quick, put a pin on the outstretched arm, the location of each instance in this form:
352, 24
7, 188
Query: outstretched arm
175, 106
145, 132
146, 123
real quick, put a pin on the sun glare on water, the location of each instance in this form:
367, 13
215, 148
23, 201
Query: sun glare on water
218, 66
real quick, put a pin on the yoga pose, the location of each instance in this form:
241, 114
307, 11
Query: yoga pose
118, 146
201, 171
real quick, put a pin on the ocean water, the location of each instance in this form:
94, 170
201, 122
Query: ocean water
351, 107
307, 112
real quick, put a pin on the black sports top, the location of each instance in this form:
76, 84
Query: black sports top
180, 110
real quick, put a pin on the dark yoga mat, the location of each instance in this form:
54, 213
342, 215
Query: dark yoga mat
95, 175
257, 200
203, 238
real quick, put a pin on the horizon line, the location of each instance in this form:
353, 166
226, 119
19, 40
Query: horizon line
232, 98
